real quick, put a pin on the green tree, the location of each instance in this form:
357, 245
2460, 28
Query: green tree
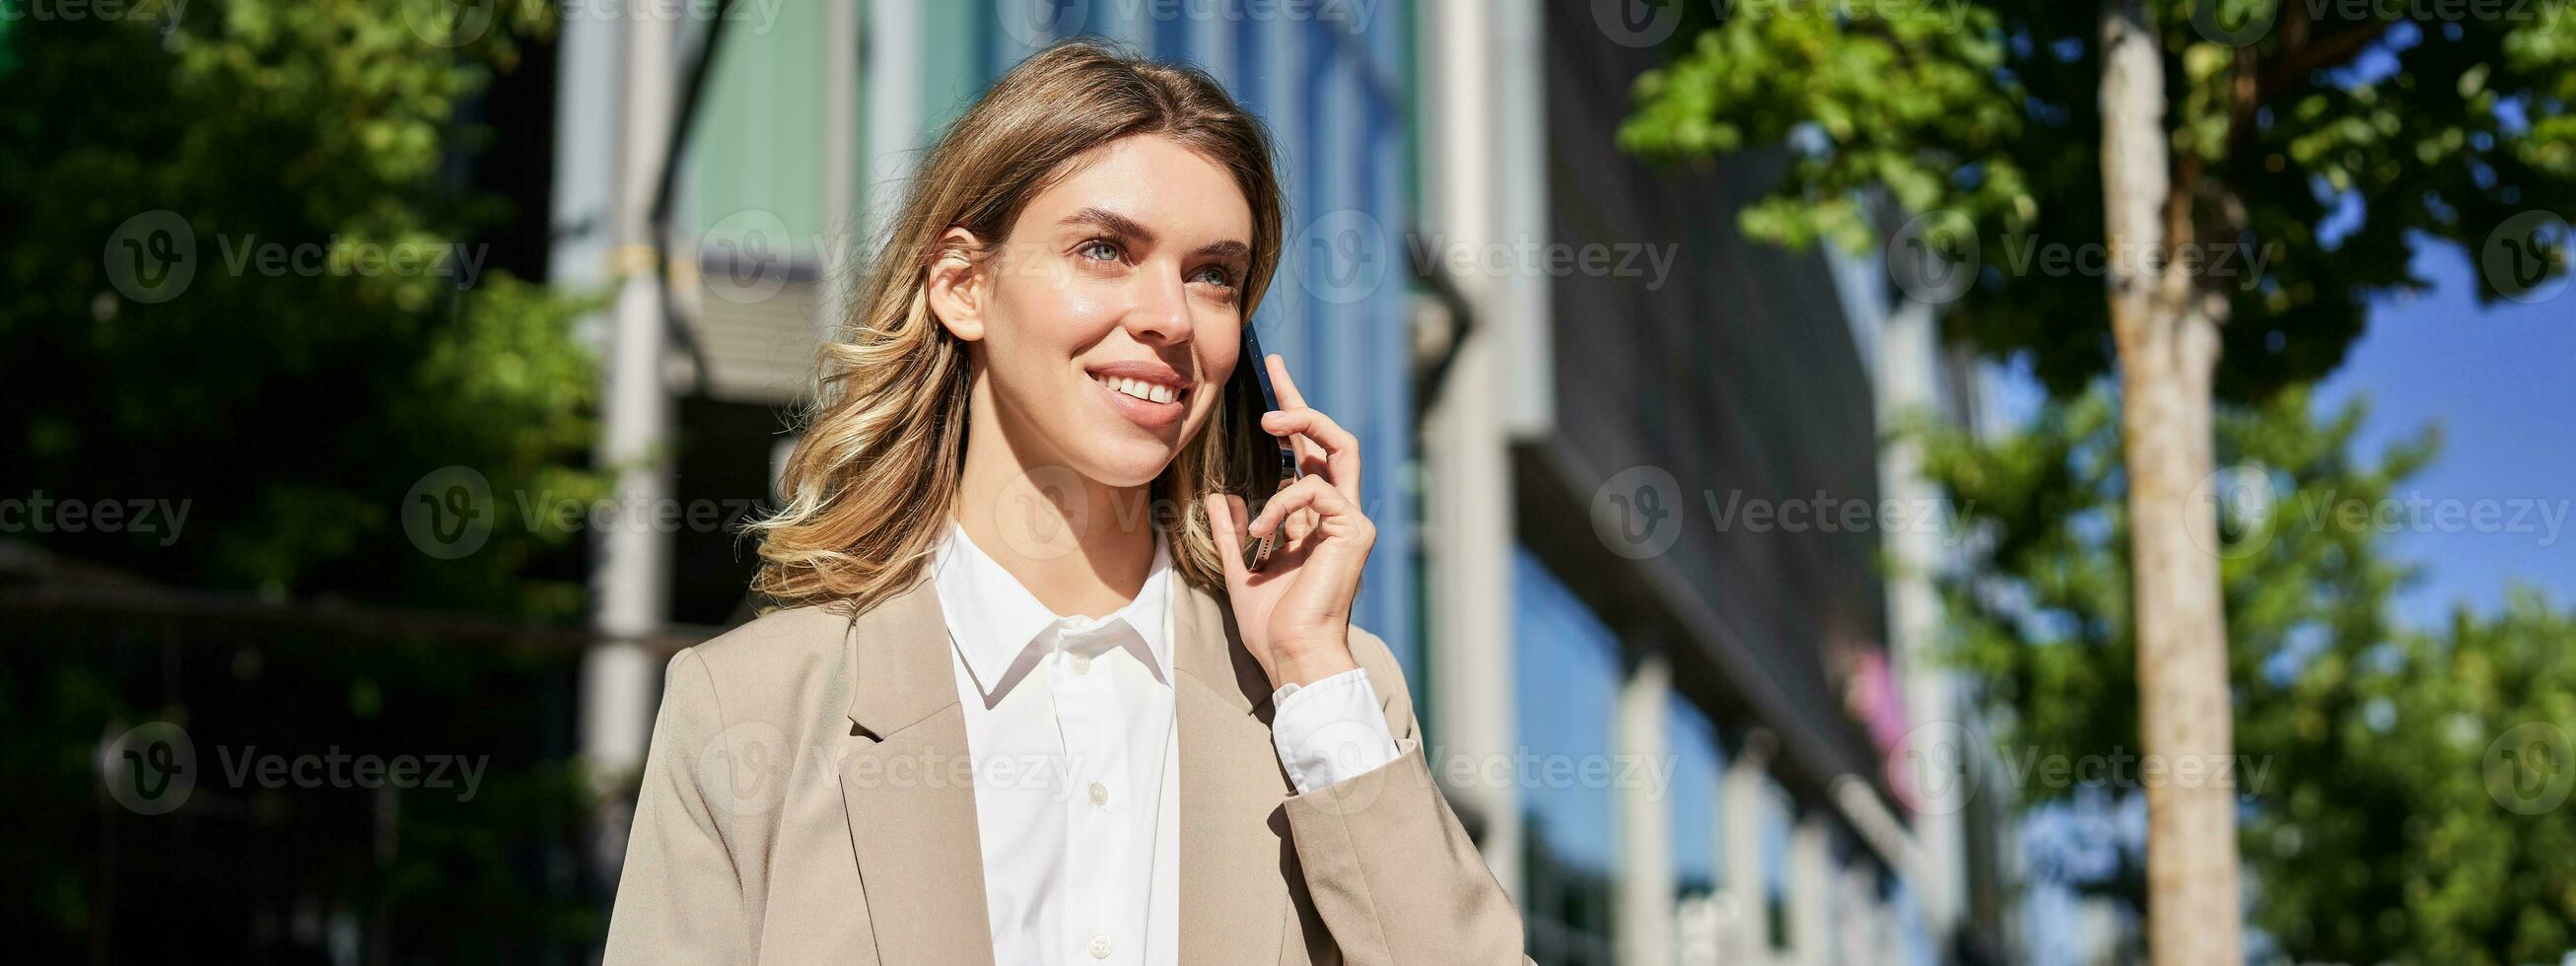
2169, 148
2378, 828
192, 202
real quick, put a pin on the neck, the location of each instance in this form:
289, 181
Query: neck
1080, 546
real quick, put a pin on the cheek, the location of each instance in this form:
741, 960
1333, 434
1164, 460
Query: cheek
1041, 310
1220, 351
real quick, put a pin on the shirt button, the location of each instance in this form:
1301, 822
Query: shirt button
1081, 664
1099, 796
1099, 944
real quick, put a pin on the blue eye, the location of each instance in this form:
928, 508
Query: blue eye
1107, 252
1215, 276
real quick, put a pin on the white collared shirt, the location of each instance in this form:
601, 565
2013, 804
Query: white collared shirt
1070, 723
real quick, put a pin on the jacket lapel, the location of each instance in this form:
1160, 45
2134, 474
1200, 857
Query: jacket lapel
909, 789
1234, 855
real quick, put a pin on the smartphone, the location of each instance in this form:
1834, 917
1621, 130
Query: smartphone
1260, 400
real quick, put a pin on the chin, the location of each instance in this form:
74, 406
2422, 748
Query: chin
1127, 462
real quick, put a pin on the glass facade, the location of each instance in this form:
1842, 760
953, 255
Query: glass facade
1568, 678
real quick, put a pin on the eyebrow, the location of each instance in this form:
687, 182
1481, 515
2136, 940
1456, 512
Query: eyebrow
1116, 223
1121, 225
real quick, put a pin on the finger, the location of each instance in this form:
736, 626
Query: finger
1311, 493
1341, 459
1289, 398
1300, 524
1225, 522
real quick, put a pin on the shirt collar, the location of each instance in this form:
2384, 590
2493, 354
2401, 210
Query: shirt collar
995, 621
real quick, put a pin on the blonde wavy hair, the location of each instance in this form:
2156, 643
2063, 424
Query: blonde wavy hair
872, 482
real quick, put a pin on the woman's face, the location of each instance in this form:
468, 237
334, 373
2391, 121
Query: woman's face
1105, 325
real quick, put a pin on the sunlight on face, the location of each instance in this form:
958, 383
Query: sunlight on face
1113, 311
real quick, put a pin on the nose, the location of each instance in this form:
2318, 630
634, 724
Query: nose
1161, 315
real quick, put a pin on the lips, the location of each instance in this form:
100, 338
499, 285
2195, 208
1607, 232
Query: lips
1152, 400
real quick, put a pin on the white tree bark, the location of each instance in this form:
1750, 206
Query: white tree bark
2167, 333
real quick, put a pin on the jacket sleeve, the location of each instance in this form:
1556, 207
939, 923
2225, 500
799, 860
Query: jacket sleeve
680, 897
1392, 873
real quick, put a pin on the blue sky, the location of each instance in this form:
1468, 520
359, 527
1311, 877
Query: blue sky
2497, 380
2500, 382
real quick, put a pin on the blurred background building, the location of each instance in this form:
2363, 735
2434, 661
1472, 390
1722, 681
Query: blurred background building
1677, 722
355, 355
1688, 719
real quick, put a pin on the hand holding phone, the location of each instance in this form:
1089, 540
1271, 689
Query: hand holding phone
1292, 591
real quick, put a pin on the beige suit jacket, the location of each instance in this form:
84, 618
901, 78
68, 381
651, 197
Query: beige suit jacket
808, 799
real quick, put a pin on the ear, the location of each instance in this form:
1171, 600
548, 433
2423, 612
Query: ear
956, 285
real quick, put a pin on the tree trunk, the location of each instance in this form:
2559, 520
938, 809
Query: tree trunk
2167, 332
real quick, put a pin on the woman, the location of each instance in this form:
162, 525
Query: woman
1023, 702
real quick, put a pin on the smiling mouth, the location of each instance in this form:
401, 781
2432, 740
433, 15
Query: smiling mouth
1152, 392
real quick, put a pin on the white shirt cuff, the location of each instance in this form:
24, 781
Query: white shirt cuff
1330, 730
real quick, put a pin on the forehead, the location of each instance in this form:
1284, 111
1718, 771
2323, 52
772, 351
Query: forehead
1177, 193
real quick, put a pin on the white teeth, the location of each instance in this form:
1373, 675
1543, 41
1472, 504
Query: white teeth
1148, 391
